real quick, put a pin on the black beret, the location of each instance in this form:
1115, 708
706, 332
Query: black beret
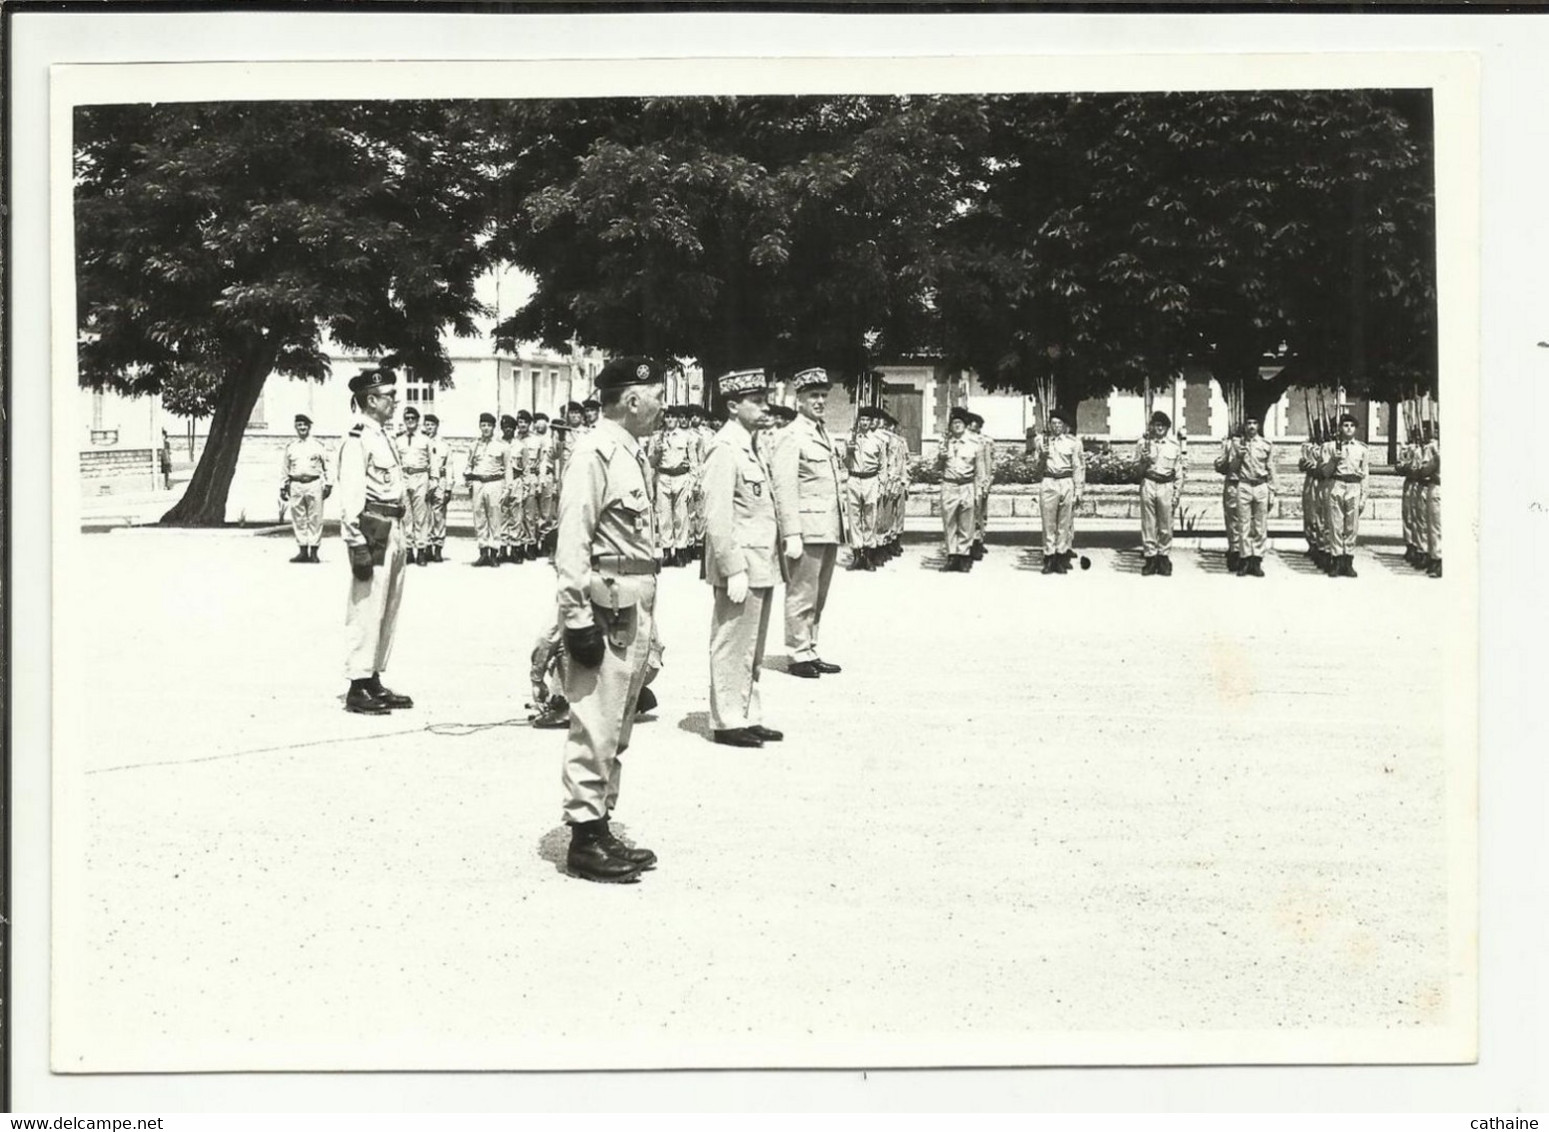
523, 415
571, 407
1065, 416
411, 411
959, 414
302, 418
507, 421
540, 416
631, 370
1349, 418
590, 404
378, 378
487, 418
431, 418
1162, 419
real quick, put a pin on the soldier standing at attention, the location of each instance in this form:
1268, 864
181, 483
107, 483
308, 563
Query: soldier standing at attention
703, 435
1160, 458
605, 559
508, 489
1430, 504
516, 456
901, 479
808, 498
1064, 485
674, 464
590, 411
864, 462
486, 475
1312, 515
414, 453
1346, 468
305, 487
1226, 464
543, 467
439, 488
985, 476
1256, 489
742, 562
371, 511
958, 461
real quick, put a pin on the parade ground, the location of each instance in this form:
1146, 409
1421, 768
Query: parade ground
1031, 812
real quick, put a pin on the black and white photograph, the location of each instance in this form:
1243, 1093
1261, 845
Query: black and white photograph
992, 509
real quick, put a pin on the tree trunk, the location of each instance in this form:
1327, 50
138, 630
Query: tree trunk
204, 502
1392, 431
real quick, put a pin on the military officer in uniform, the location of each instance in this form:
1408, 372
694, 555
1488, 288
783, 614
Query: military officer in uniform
439, 488
958, 462
742, 562
1346, 468
1312, 513
1256, 487
1064, 484
809, 506
487, 474
371, 515
1226, 464
1160, 459
1428, 510
699, 427
984, 477
864, 461
516, 532
606, 563
305, 487
414, 453
673, 460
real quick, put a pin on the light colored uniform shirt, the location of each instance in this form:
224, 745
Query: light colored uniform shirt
741, 527
440, 453
369, 471
1346, 458
1162, 457
1256, 459
865, 453
604, 509
306, 458
960, 458
675, 450
414, 452
488, 458
1063, 454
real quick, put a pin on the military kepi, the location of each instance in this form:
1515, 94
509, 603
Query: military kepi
742, 382
632, 370
814, 378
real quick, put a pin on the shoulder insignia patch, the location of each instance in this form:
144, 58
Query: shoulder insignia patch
357, 430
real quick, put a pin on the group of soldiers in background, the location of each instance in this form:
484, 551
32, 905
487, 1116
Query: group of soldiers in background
876, 461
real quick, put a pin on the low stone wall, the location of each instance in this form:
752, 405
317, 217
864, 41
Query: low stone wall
106, 470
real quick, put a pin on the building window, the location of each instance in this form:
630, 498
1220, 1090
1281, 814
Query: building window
419, 393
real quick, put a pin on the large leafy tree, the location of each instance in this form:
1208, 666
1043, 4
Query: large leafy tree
1121, 235
218, 244
762, 231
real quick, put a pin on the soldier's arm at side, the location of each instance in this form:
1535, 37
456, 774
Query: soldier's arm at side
784, 461
720, 492
352, 490
580, 506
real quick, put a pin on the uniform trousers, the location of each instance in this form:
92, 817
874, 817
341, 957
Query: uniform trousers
696, 515
602, 710
416, 509
1230, 517
806, 592
863, 495
1312, 516
510, 514
1252, 519
1156, 517
672, 492
1414, 527
486, 512
306, 512
438, 514
884, 513
372, 615
1432, 516
957, 516
737, 632
546, 495
1344, 516
981, 510
1057, 502
524, 514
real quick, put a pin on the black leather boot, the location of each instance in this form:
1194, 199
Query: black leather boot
1256, 566
1434, 570
590, 857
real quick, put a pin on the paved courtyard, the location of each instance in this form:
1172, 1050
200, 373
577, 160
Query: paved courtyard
1031, 812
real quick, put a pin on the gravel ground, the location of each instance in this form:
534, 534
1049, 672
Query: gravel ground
1032, 813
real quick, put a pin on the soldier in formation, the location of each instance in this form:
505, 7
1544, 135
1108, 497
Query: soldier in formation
371, 520
1060, 459
742, 562
864, 461
1226, 465
1314, 512
1253, 464
1346, 468
984, 477
1160, 459
487, 475
304, 488
440, 490
414, 453
957, 459
675, 462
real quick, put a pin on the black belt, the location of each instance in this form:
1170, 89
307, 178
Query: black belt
1430, 481
861, 475
950, 479
1154, 478
618, 564
1058, 475
486, 479
303, 479
673, 471
387, 510
1254, 481
1231, 482
1348, 479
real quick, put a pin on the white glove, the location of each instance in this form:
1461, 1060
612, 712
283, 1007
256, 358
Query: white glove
737, 587
793, 546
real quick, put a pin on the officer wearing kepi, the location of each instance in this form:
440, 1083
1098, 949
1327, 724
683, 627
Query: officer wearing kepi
605, 557
809, 502
742, 562
371, 514
305, 487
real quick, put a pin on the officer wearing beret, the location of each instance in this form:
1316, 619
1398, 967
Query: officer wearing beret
1226, 464
958, 462
1064, 483
1346, 466
1256, 486
514, 515
414, 452
546, 459
865, 462
371, 512
606, 563
1160, 459
984, 476
1428, 471
304, 488
487, 473
742, 562
809, 504
440, 453
672, 459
